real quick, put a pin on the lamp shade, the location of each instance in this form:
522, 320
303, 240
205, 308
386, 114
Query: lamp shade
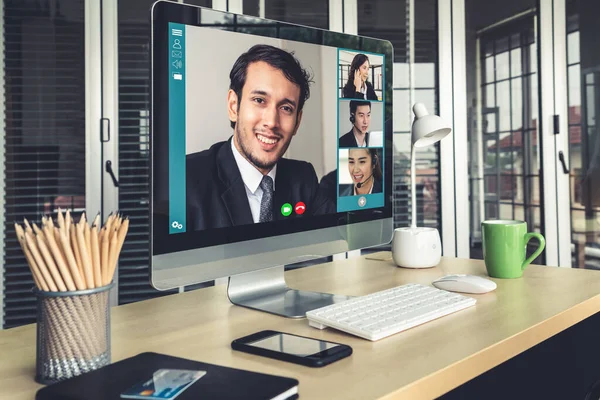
427, 129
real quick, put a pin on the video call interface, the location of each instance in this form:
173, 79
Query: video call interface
265, 129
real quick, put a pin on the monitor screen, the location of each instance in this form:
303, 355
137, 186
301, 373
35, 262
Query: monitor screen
262, 130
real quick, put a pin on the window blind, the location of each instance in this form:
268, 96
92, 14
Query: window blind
44, 112
133, 166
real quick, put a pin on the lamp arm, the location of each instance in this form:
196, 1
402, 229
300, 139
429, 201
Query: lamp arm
413, 189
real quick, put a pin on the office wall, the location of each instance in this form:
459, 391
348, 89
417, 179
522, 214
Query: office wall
208, 63
316, 124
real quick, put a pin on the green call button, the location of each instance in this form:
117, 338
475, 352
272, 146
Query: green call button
286, 209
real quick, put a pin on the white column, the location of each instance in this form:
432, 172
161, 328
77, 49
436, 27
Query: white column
237, 6
561, 107
545, 132
220, 5
336, 17
110, 110
459, 130
93, 108
447, 163
351, 16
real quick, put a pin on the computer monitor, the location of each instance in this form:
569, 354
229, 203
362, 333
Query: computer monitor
271, 144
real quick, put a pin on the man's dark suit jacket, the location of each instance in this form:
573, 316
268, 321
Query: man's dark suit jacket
349, 140
350, 92
216, 195
348, 190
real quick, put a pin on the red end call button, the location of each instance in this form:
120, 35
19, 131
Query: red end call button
300, 208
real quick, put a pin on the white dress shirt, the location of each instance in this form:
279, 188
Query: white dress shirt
370, 190
363, 90
364, 143
252, 178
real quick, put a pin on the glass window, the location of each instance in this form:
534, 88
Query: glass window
489, 70
573, 47
402, 114
425, 75
502, 66
515, 62
574, 87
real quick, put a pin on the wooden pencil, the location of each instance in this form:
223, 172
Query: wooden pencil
72, 263
36, 229
104, 256
112, 254
85, 256
73, 239
118, 222
96, 257
61, 220
87, 236
108, 224
65, 255
40, 262
58, 242
37, 274
27, 226
68, 220
121, 234
50, 222
58, 258
34, 272
50, 264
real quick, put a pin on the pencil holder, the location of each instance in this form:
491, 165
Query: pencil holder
73, 333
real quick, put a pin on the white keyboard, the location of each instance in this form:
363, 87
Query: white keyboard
390, 311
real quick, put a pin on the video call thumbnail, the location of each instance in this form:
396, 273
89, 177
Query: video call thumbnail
360, 123
360, 171
263, 125
361, 75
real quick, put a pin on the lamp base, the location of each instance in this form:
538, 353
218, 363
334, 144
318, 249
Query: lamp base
416, 247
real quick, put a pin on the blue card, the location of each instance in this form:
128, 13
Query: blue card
165, 384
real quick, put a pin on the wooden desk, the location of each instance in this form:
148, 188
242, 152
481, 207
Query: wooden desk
421, 363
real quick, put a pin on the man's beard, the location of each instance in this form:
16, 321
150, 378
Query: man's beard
253, 160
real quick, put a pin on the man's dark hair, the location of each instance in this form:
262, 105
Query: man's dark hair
355, 103
276, 58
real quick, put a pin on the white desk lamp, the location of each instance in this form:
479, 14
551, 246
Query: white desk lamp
419, 247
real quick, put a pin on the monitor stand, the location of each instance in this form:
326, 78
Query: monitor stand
266, 290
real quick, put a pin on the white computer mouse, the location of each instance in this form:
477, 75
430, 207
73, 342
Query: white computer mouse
465, 284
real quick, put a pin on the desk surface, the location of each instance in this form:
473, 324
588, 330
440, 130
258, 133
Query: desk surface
423, 362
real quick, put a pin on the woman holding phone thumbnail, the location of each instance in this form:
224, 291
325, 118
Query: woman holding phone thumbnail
358, 86
364, 167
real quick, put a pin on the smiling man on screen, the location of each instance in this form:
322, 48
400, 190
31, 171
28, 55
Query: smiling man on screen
245, 179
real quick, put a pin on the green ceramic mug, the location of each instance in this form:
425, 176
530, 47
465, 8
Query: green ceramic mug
505, 245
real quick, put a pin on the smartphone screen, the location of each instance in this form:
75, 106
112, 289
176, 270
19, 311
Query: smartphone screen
290, 344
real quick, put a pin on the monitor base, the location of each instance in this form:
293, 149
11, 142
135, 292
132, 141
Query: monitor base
266, 290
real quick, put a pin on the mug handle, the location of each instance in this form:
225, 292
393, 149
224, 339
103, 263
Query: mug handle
541, 240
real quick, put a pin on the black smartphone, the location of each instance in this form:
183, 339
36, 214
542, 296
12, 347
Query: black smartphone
292, 348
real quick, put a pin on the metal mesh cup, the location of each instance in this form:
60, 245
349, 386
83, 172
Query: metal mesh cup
73, 333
